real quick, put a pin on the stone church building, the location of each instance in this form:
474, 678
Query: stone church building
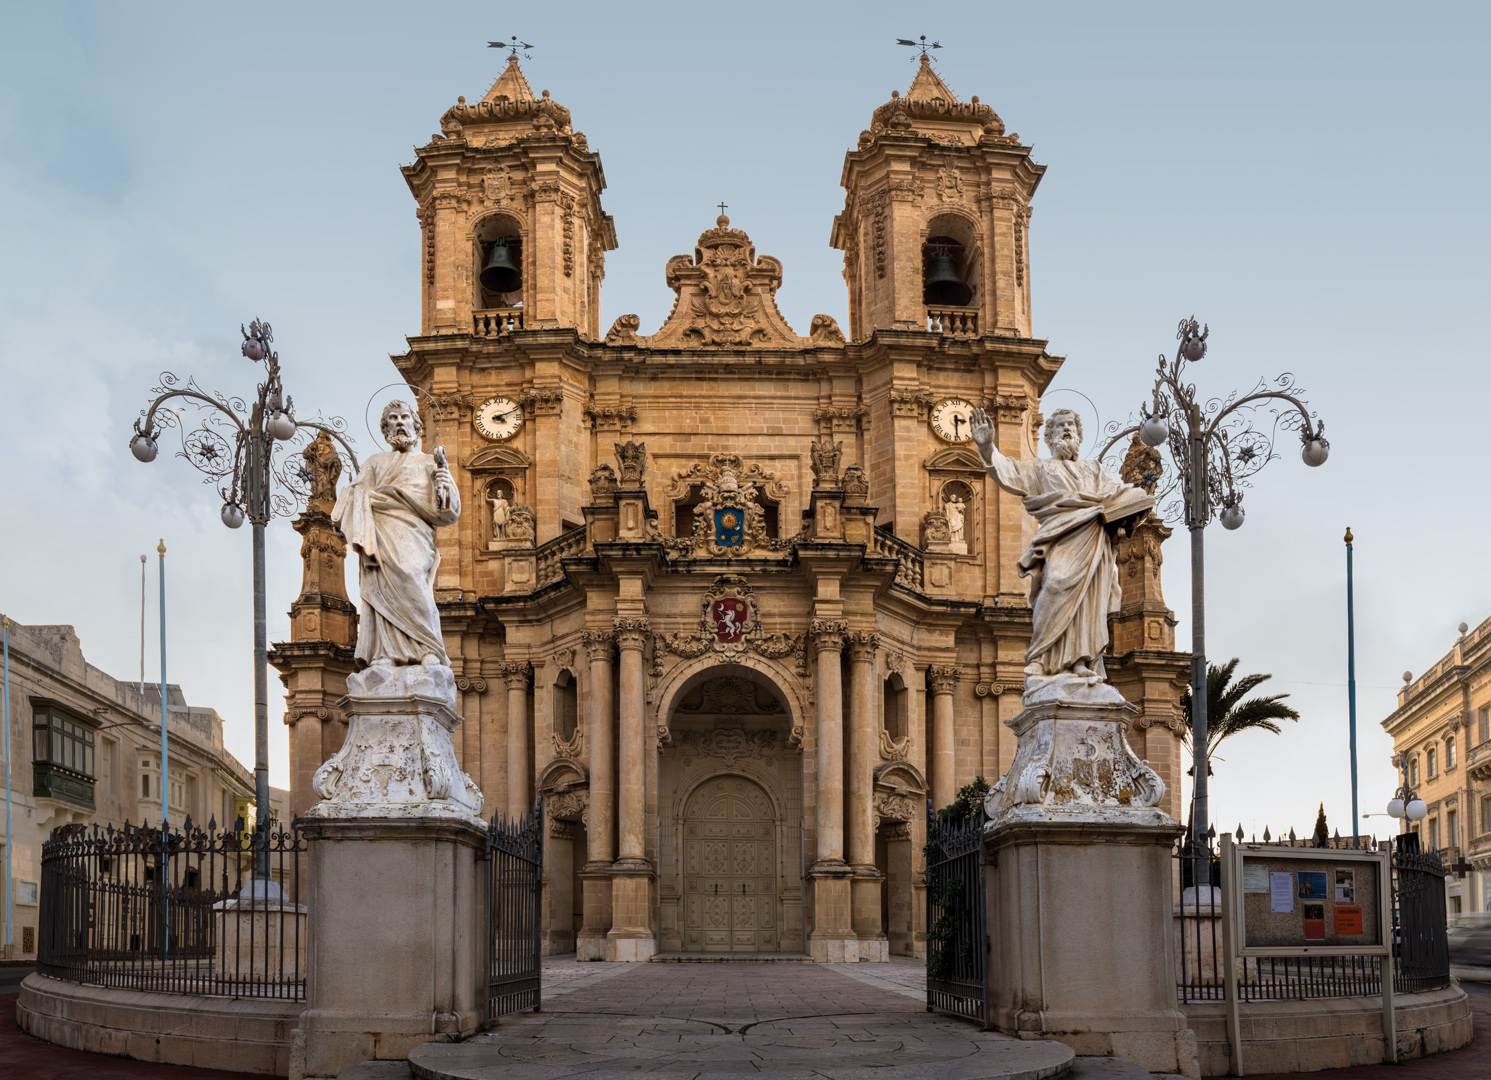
737, 602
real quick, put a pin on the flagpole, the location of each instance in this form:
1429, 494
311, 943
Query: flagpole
1351, 681
142, 628
165, 763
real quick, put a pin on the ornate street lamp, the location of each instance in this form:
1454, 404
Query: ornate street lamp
237, 445
1215, 449
1405, 802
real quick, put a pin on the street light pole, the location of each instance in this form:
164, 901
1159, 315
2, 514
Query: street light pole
235, 445
1215, 450
1351, 681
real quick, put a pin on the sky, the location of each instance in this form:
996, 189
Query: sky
1308, 180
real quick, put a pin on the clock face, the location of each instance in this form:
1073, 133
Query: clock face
498, 418
952, 420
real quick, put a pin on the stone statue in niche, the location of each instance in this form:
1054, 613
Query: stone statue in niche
389, 514
1080, 510
500, 508
954, 506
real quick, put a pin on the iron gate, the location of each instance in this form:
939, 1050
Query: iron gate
957, 943
515, 866
1422, 948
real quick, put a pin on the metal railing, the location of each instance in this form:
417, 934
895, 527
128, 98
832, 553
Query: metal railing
177, 911
1421, 959
957, 940
514, 913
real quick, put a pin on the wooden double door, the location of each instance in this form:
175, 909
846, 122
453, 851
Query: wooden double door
730, 868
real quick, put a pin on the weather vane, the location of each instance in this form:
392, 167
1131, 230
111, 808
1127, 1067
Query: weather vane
923, 46
517, 46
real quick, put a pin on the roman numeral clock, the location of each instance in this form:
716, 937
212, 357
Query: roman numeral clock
952, 420
497, 418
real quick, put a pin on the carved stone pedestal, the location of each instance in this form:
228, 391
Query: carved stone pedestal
394, 848
1079, 890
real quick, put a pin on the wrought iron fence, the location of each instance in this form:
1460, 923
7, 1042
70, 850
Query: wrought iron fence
1421, 957
957, 941
1420, 937
178, 911
515, 865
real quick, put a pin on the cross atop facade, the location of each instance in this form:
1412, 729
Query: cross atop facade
722, 207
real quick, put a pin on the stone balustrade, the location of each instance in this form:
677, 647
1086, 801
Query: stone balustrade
955, 321
495, 322
912, 564
551, 556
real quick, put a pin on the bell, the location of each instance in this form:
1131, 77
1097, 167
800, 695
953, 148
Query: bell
944, 287
500, 275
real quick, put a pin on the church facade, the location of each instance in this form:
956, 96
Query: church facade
736, 601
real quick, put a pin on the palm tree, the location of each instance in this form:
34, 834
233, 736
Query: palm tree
1227, 713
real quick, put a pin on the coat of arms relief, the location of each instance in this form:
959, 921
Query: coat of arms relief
729, 519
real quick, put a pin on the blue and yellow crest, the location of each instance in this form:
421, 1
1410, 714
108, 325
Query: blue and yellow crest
729, 526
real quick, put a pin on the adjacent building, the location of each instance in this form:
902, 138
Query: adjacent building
85, 750
737, 601
1441, 734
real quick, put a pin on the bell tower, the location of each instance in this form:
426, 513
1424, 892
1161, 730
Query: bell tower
509, 207
936, 216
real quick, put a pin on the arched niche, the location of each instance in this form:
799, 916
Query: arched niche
501, 229
953, 234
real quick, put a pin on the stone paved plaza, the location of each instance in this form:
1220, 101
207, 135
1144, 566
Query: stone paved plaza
693, 1021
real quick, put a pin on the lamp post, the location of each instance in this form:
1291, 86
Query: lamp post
236, 445
1405, 802
1215, 449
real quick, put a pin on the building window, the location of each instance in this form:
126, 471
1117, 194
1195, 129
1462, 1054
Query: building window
1413, 773
1431, 759
62, 761
566, 707
106, 771
1452, 828
1483, 724
1486, 818
895, 707
1449, 753
1433, 834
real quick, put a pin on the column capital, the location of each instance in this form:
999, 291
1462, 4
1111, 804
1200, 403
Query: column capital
515, 674
471, 684
828, 634
943, 679
631, 632
599, 643
863, 645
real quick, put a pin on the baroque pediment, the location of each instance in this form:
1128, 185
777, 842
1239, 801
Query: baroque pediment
497, 457
726, 296
961, 458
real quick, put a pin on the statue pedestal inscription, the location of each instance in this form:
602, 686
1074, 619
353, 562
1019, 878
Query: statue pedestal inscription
1078, 872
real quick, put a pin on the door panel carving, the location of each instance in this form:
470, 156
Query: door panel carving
730, 861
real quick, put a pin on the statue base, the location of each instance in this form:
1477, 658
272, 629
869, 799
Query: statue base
1073, 762
1078, 867
398, 759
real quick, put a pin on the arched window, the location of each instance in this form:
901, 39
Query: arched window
1449, 753
894, 716
1431, 758
950, 272
566, 706
498, 274
1413, 772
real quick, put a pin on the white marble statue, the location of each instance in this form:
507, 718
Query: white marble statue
953, 506
1080, 509
389, 514
500, 508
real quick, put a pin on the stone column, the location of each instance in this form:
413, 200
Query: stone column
518, 752
833, 939
944, 750
631, 936
599, 831
858, 807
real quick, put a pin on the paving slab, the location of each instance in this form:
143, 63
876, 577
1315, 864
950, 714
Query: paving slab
721, 1021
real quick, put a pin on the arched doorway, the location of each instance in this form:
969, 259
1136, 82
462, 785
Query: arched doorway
730, 868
